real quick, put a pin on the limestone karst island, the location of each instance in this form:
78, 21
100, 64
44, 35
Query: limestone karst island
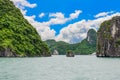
59, 40
108, 38
18, 38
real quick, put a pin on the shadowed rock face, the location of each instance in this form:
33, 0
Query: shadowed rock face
70, 54
91, 37
7, 53
108, 38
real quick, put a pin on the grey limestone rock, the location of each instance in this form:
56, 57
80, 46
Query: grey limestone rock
108, 38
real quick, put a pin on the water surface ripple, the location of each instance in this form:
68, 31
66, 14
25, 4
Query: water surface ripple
60, 68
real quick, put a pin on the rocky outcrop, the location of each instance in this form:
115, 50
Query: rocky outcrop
92, 36
55, 52
108, 38
70, 54
7, 53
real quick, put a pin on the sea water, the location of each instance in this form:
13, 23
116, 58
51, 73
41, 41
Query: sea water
60, 68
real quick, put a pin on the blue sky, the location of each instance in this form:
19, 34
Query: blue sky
67, 20
89, 8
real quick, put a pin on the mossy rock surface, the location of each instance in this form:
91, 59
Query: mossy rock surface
108, 38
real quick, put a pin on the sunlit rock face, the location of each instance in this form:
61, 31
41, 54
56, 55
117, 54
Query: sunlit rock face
108, 38
55, 52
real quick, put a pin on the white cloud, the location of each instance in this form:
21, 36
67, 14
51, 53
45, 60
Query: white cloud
23, 3
59, 18
23, 11
78, 31
43, 28
103, 14
56, 18
42, 15
57, 15
75, 15
73, 32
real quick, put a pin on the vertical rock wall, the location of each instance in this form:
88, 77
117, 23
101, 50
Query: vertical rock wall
108, 38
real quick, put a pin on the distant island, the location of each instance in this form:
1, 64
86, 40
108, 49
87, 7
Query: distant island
70, 53
85, 47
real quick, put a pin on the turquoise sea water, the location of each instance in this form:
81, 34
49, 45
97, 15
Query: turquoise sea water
60, 68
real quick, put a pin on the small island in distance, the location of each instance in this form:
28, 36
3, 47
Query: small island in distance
85, 47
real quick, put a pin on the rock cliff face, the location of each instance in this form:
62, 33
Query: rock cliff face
91, 36
70, 54
108, 38
7, 52
55, 52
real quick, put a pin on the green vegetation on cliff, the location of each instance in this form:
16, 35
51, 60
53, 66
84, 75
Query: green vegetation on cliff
60, 46
85, 47
17, 35
108, 38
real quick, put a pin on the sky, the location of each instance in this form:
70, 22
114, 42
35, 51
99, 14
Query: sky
67, 20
